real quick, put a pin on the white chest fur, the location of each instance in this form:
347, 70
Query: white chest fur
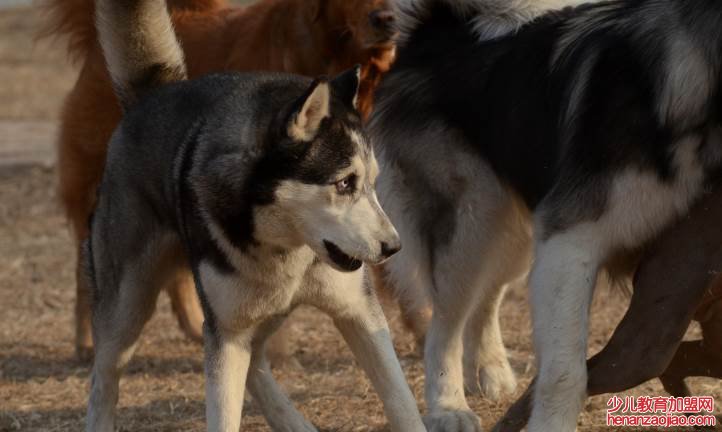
264, 284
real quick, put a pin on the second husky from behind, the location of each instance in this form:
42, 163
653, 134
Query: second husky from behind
595, 127
263, 185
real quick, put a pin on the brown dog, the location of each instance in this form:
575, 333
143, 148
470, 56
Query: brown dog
679, 279
309, 37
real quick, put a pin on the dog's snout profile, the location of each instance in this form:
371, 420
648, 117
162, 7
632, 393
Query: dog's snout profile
390, 249
382, 18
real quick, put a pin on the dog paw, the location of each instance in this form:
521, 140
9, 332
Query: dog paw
452, 421
491, 381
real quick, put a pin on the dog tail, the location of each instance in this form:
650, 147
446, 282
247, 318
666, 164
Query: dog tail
75, 20
140, 46
72, 19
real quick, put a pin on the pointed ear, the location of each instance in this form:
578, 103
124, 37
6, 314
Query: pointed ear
311, 109
346, 85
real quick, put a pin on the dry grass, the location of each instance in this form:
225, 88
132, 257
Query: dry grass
42, 388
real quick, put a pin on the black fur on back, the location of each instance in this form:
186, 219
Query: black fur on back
514, 100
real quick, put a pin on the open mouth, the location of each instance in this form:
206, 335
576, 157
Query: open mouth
342, 261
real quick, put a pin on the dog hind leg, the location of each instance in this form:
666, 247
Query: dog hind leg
277, 408
701, 358
185, 304
83, 137
411, 278
486, 367
470, 270
126, 300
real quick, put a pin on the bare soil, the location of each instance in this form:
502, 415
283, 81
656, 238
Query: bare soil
42, 386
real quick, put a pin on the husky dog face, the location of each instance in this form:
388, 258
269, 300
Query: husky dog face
328, 200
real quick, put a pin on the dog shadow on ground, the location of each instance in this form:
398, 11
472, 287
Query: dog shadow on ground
42, 363
161, 415
158, 416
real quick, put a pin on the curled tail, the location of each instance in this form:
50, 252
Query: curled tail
75, 20
139, 45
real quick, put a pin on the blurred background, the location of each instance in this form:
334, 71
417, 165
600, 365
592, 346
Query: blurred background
43, 387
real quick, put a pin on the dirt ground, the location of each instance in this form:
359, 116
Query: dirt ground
43, 388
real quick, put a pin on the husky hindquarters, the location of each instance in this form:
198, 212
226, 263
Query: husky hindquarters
263, 185
602, 120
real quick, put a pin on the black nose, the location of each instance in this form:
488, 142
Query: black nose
382, 18
388, 250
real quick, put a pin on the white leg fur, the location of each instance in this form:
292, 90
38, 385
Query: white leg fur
369, 338
561, 283
360, 319
227, 362
107, 369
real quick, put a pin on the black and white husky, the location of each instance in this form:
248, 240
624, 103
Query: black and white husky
590, 126
264, 186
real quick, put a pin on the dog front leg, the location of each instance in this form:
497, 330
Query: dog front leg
228, 356
562, 282
368, 336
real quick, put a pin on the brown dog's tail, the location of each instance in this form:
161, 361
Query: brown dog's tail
75, 19
140, 46
72, 19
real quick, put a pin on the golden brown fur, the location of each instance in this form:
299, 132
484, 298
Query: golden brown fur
309, 37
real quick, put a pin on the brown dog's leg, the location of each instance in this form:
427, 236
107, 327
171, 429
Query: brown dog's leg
701, 358
83, 328
691, 357
186, 306
669, 286
88, 119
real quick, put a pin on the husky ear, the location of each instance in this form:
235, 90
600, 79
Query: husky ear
346, 85
311, 109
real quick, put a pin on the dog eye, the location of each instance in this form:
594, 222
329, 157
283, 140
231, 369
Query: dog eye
347, 185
